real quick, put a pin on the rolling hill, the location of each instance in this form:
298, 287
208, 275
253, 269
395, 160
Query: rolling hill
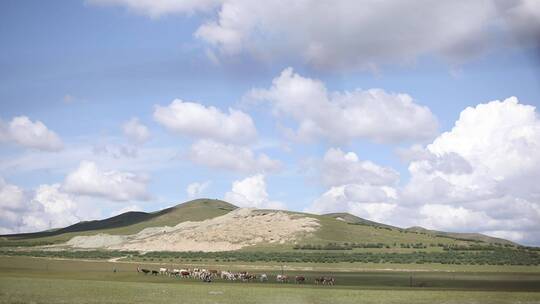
215, 225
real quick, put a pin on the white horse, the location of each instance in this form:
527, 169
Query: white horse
263, 277
282, 278
163, 271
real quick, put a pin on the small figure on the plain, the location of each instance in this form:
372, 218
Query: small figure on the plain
282, 278
145, 271
299, 279
163, 271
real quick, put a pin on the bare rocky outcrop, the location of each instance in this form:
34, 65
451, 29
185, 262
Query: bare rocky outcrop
234, 230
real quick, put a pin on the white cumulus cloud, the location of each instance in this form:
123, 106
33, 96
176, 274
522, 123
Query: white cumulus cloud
251, 192
136, 131
43, 208
90, 180
345, 116
356, 186
370, 202
346, 34
482, 174
231, 157
340, 168
26, 133
198, 121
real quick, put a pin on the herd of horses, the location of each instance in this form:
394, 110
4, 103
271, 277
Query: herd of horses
209, 275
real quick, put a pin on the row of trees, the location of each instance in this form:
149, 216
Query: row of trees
501, 256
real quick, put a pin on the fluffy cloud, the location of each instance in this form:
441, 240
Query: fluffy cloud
90, 180
231, 157
345, 116
136, 131
482, 174
195, 189
251, 192
339, 168
22, 131
11, 196
46, 207
371, 202
196, 120
346, 34
358, 187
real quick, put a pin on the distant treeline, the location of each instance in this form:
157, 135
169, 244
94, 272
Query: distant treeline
446, 247
498, 256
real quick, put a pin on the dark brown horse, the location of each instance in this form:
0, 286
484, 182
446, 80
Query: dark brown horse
145, 271
299, 279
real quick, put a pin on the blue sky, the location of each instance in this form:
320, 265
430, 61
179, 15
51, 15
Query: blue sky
85, 68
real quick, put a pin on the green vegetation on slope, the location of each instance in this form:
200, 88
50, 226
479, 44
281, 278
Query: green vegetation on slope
127, 223
337, 232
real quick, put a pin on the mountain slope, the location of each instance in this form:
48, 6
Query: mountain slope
355, 220
335, 231
133, 222
459, 235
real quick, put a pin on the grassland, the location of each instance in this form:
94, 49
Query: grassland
196, 210
40, 280
347, 229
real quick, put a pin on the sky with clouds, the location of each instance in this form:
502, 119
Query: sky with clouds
411, 113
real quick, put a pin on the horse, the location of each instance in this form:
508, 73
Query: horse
206, 276
299, 279
250, 277
263, 277
282, 278
145, 271
155, 272
329, 281
184, 273
174, 272
319, 280
163, 271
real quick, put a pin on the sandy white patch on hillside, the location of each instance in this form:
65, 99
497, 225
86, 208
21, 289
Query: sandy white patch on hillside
234, 230
100, 240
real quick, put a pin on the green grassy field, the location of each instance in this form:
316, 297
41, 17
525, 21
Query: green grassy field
40, 280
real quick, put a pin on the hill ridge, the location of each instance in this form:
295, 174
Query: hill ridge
336, 228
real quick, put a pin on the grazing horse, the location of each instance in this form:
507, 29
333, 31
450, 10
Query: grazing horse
206, 276
163, 271
174, 272
263, 277
319, 280
250, 277
145, 271
282, 278
299, 279
329, 281
227, 275
184, 273
155, 272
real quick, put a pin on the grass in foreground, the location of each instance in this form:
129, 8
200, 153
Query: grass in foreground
31, 290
